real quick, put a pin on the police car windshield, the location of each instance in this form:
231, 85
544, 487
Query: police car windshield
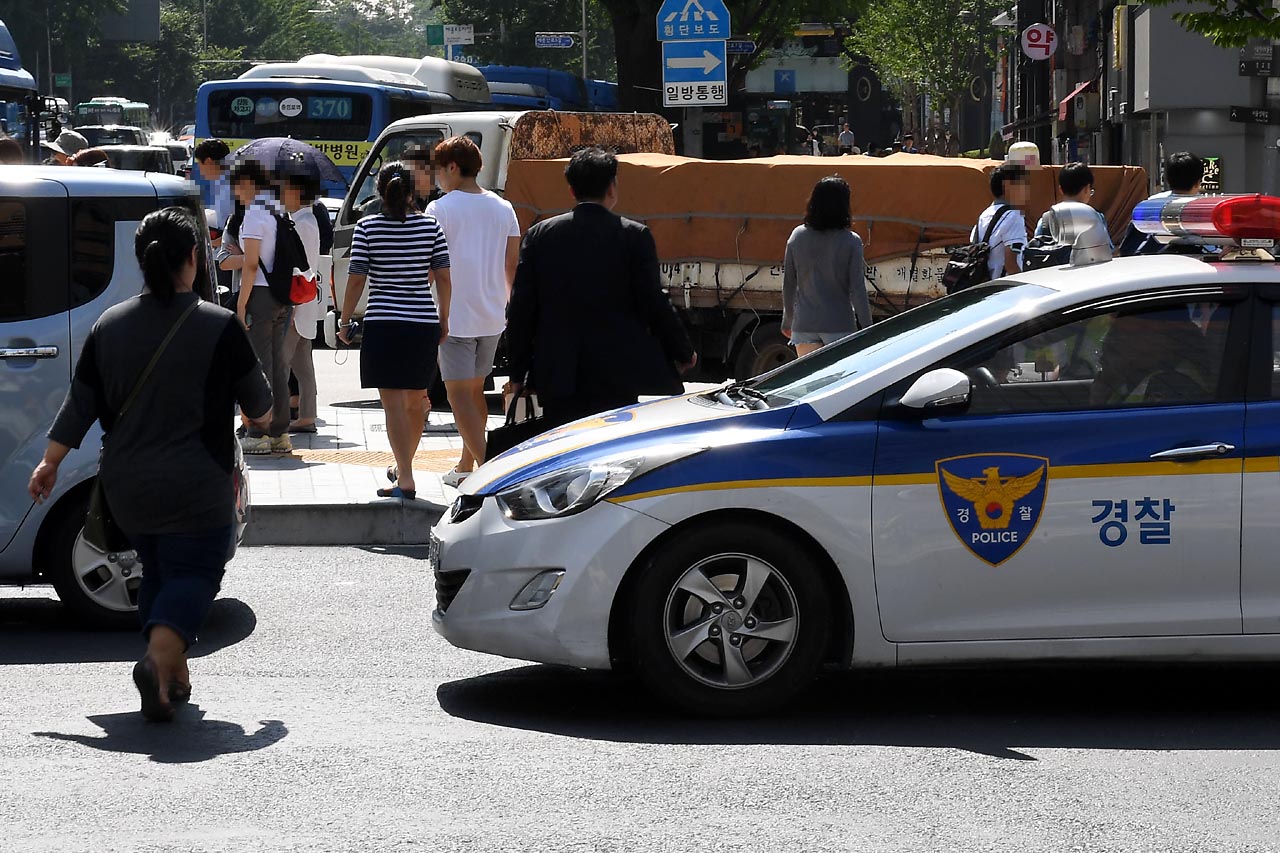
895, 338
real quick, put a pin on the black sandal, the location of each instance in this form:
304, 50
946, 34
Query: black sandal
144, 678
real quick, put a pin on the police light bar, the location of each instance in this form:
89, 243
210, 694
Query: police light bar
1251, 221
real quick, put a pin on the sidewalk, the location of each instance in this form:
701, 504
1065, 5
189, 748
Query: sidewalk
324, 493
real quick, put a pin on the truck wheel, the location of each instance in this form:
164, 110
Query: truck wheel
729, 619
763, 350
100, 590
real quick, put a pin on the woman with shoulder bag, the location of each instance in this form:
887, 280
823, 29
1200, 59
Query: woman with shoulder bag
168, 451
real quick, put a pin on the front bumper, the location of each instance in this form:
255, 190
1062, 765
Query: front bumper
594, 548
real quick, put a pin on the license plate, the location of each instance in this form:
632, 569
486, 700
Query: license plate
433, 553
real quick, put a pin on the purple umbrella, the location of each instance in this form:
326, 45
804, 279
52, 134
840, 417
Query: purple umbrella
290, 157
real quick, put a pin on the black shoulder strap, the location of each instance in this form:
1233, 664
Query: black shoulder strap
155, 359
995, 220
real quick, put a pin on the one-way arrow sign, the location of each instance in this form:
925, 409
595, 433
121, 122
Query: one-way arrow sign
708, 62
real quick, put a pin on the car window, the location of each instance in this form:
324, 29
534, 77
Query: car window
93, 241
1161, 355
366, 196
895, 338
29, 287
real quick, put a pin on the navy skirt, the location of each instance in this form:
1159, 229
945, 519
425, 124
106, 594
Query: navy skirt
398, 354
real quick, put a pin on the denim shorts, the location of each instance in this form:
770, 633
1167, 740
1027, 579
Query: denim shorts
818, 337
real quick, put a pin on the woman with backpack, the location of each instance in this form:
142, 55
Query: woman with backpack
824, 288
266, 318
166, 477
397, 251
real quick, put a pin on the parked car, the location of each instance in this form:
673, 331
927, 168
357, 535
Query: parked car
99, 135
140, 158
180, 154
50, 300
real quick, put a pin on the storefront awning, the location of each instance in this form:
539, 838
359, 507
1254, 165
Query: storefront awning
1064, 108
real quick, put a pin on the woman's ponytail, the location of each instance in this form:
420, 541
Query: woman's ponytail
163, 244
393, 188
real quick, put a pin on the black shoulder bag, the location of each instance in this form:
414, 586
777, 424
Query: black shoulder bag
100, 528
513, 432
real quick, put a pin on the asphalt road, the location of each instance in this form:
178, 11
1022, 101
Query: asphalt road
328, 716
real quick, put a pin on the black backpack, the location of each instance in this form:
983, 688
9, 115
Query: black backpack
967, 265
290, 255
325, 224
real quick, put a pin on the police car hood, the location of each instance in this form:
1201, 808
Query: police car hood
658, 424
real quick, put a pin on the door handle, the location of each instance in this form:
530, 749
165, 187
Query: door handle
1190, 454
29, 352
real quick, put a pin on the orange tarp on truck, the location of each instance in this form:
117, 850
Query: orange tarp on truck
744, 210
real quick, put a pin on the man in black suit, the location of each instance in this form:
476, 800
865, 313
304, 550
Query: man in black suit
588, 320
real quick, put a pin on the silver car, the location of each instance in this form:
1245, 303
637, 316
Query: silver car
66, 255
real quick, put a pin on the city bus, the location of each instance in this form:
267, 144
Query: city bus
123, 111
16, 86
339, 104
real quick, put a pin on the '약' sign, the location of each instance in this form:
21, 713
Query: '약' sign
1039, 41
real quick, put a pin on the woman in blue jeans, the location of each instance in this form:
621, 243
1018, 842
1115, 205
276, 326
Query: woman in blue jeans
168, 456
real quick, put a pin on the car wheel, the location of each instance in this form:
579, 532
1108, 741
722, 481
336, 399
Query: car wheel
763, 350
99, 589
730, 619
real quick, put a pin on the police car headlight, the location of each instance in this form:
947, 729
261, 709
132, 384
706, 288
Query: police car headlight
572, 490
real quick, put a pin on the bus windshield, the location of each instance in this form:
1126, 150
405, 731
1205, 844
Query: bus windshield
258, 111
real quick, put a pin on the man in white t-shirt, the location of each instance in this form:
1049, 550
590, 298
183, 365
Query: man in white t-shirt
483, 234
1010, 190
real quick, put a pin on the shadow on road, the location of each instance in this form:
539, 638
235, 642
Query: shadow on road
996, 712
189, 739
37, 630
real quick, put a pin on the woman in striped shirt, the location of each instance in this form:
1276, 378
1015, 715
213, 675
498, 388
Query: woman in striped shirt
397, 251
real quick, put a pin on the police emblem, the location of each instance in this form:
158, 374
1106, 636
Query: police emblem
993, 501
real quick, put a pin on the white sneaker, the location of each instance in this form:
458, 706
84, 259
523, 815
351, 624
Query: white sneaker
454, 478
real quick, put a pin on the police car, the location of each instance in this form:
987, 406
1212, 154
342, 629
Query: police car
1082, 462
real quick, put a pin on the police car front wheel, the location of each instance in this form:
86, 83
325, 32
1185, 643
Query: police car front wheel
730, 619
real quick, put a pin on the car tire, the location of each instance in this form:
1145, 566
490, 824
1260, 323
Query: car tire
729, 619
99, 590
765, 349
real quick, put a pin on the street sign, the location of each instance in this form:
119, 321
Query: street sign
694, 74
1253, 115
1212, 182
559, 40
693, 20
1039, 41
1257, 52
459, 34
1259, 68
62, 80
435, 35
740, 46
784, 81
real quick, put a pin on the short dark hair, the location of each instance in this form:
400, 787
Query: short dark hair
307, 186
590, 172
211, 149
460, 151
1074, 177
10, 152
1182, 171
828, 208
1003, 174
250, 170
416, 154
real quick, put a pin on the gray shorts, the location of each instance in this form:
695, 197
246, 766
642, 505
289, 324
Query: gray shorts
823, 338
467, 358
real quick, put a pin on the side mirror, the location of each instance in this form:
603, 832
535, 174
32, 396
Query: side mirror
937, 389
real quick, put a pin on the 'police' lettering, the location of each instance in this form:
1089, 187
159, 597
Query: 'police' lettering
988, 537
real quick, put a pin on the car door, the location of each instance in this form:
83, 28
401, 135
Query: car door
1090, 487
1260, 567
35, 345
362, 199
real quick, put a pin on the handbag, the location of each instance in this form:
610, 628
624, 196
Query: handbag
100, 528
517, 429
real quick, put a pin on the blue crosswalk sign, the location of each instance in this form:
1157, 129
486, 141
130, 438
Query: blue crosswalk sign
693, 20
694, 74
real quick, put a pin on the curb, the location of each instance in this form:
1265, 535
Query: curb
391, 522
